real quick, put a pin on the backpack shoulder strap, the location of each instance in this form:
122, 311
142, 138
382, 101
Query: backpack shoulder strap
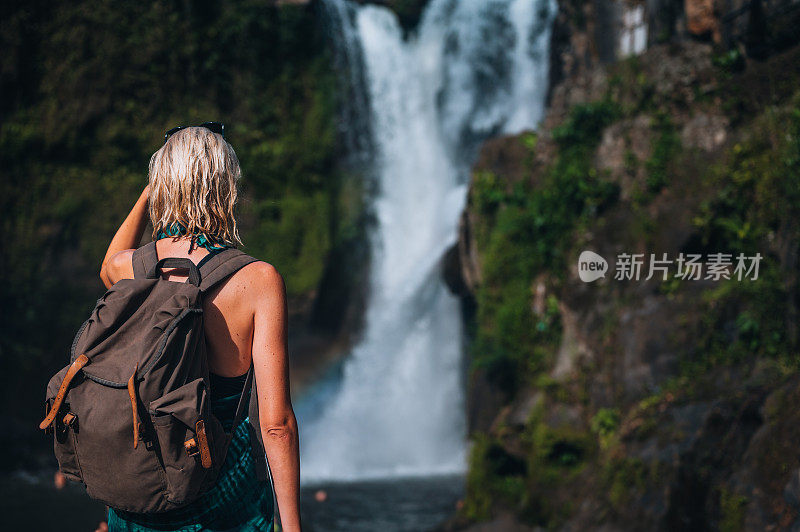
263, 471
144, 259
248, 402
222, 265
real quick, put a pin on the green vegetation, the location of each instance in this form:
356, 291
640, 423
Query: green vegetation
556, 451
494, 475
666, 146
526, 231
525, 484
758, 189
743, 198
730, 61
623, 478
731, 509
605, 424
89, 89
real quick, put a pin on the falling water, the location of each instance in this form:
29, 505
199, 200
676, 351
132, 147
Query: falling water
473, 68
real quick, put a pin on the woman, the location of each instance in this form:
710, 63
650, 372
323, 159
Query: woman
191, 197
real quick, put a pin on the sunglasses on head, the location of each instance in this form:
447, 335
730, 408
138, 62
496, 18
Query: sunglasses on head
214, 127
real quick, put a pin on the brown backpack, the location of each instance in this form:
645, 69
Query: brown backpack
130, 414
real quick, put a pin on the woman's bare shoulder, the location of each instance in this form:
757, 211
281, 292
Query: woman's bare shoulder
120, 265
263, 280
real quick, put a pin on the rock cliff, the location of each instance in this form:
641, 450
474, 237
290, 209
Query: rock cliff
650, 404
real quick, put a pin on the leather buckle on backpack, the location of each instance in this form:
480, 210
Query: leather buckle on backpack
70, 420
191, 447
58, 401
199, 445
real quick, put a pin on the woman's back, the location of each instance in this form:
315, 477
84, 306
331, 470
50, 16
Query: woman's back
228, 310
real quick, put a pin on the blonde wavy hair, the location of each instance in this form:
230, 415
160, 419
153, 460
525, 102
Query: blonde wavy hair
193, 181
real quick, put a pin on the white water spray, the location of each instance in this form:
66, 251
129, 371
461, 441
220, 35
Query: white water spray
473, 69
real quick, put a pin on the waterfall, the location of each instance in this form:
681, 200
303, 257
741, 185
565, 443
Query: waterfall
472, 69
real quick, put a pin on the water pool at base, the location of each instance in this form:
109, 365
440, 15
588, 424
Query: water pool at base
396, 505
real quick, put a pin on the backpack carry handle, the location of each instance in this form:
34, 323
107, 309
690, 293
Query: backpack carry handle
174, 262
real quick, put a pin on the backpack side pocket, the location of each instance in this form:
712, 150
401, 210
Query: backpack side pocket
64, 428
186, 449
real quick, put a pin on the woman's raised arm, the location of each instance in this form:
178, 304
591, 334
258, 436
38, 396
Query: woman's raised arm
276, 416
127, 237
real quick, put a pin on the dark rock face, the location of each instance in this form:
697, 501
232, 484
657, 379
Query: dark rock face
714, 451
452, 271
342, 288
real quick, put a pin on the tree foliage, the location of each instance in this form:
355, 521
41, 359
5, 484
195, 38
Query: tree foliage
89, 87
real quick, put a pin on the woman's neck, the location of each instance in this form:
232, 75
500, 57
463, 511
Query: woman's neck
177, 231
180, 246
